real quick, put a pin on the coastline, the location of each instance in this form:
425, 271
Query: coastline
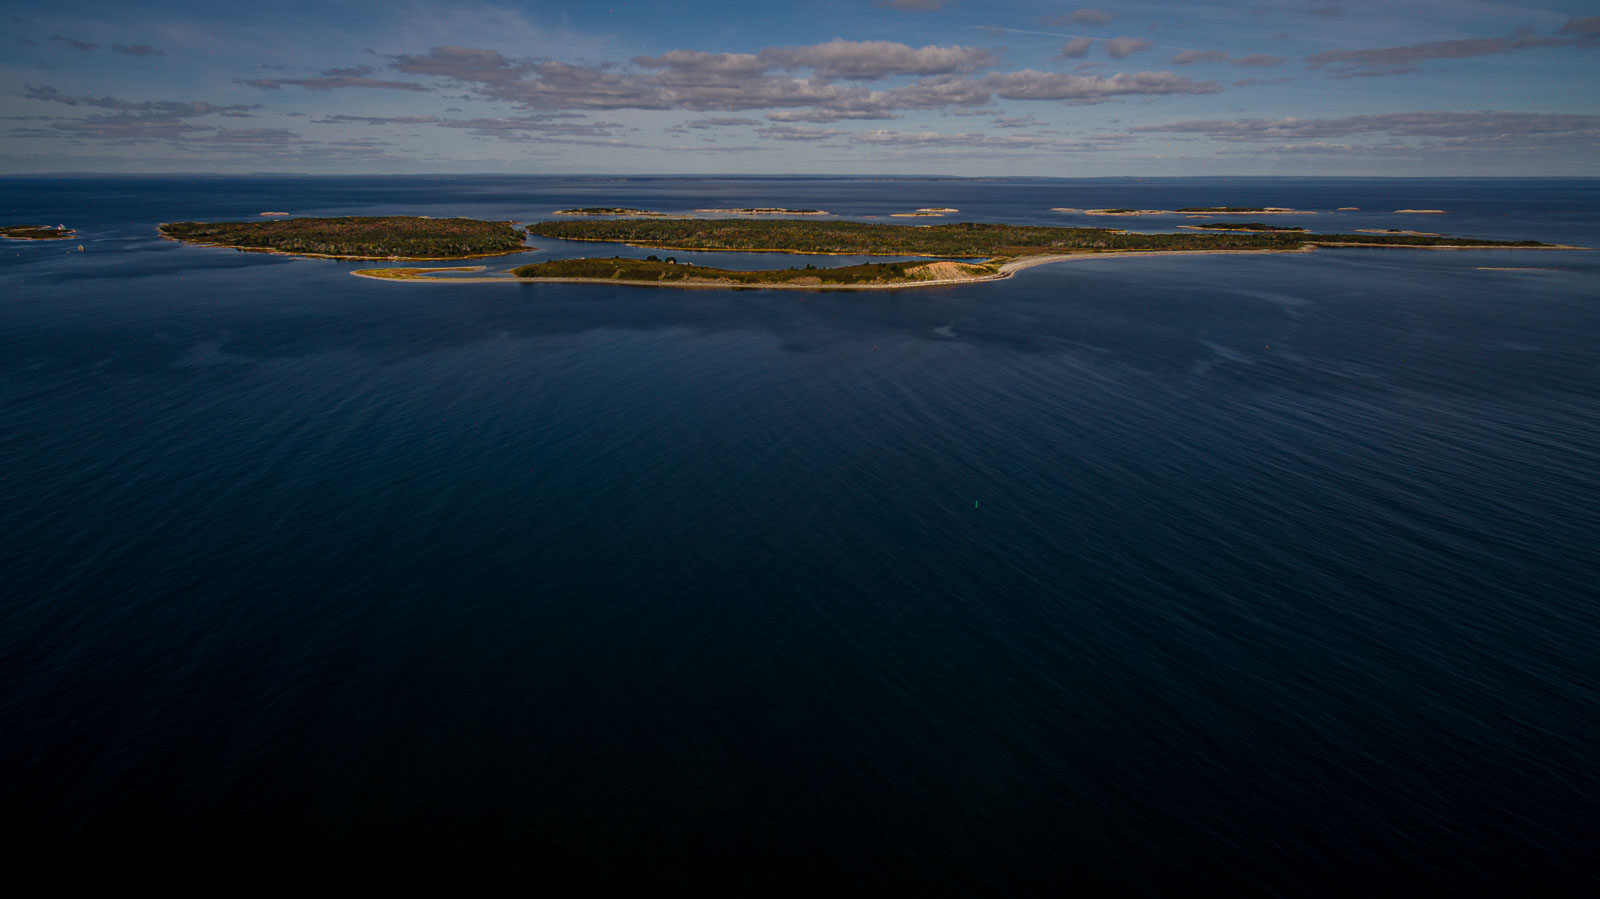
1006, 270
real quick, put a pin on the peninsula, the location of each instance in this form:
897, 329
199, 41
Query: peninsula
964, 252
357, 237
37, 232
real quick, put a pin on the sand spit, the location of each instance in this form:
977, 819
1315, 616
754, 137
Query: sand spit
273, 213
1420, 211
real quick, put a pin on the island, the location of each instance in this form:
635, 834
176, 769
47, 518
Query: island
357, 237
37, 232
1239, 210
963, 252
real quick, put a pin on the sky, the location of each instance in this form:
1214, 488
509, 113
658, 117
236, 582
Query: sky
933, 87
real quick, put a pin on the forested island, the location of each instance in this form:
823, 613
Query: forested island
967, 252
358, 237
37, 232
961, 251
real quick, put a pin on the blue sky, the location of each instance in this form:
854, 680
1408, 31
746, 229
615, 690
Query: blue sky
1465, 87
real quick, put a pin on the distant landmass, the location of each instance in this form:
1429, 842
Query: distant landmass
357, 237
37, 232
965, 251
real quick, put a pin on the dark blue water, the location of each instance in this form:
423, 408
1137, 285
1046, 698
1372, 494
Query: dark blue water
1267, 573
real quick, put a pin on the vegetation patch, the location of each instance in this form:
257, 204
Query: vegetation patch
358, 237
956, 239
609, 210
668, 271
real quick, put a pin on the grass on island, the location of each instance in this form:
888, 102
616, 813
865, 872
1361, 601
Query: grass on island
1232, 209
666, 271
379, 237
959, 239
36, 232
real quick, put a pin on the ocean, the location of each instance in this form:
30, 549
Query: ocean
1272, 573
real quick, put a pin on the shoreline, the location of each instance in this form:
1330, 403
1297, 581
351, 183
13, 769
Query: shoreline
1006, 269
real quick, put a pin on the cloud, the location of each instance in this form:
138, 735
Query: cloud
720, 122
1190, 57
1459, 129
376, 120
334, 79
1077, 48
1031, 85
539, 128
1015, 121
1586, 28
818, 83
688, 68
80, 46
1123, 47
935, 140
1400, 60
799, 133
1081, 17
469, 64
164, 107
137, 50
868, 60
945, 90
828, 115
